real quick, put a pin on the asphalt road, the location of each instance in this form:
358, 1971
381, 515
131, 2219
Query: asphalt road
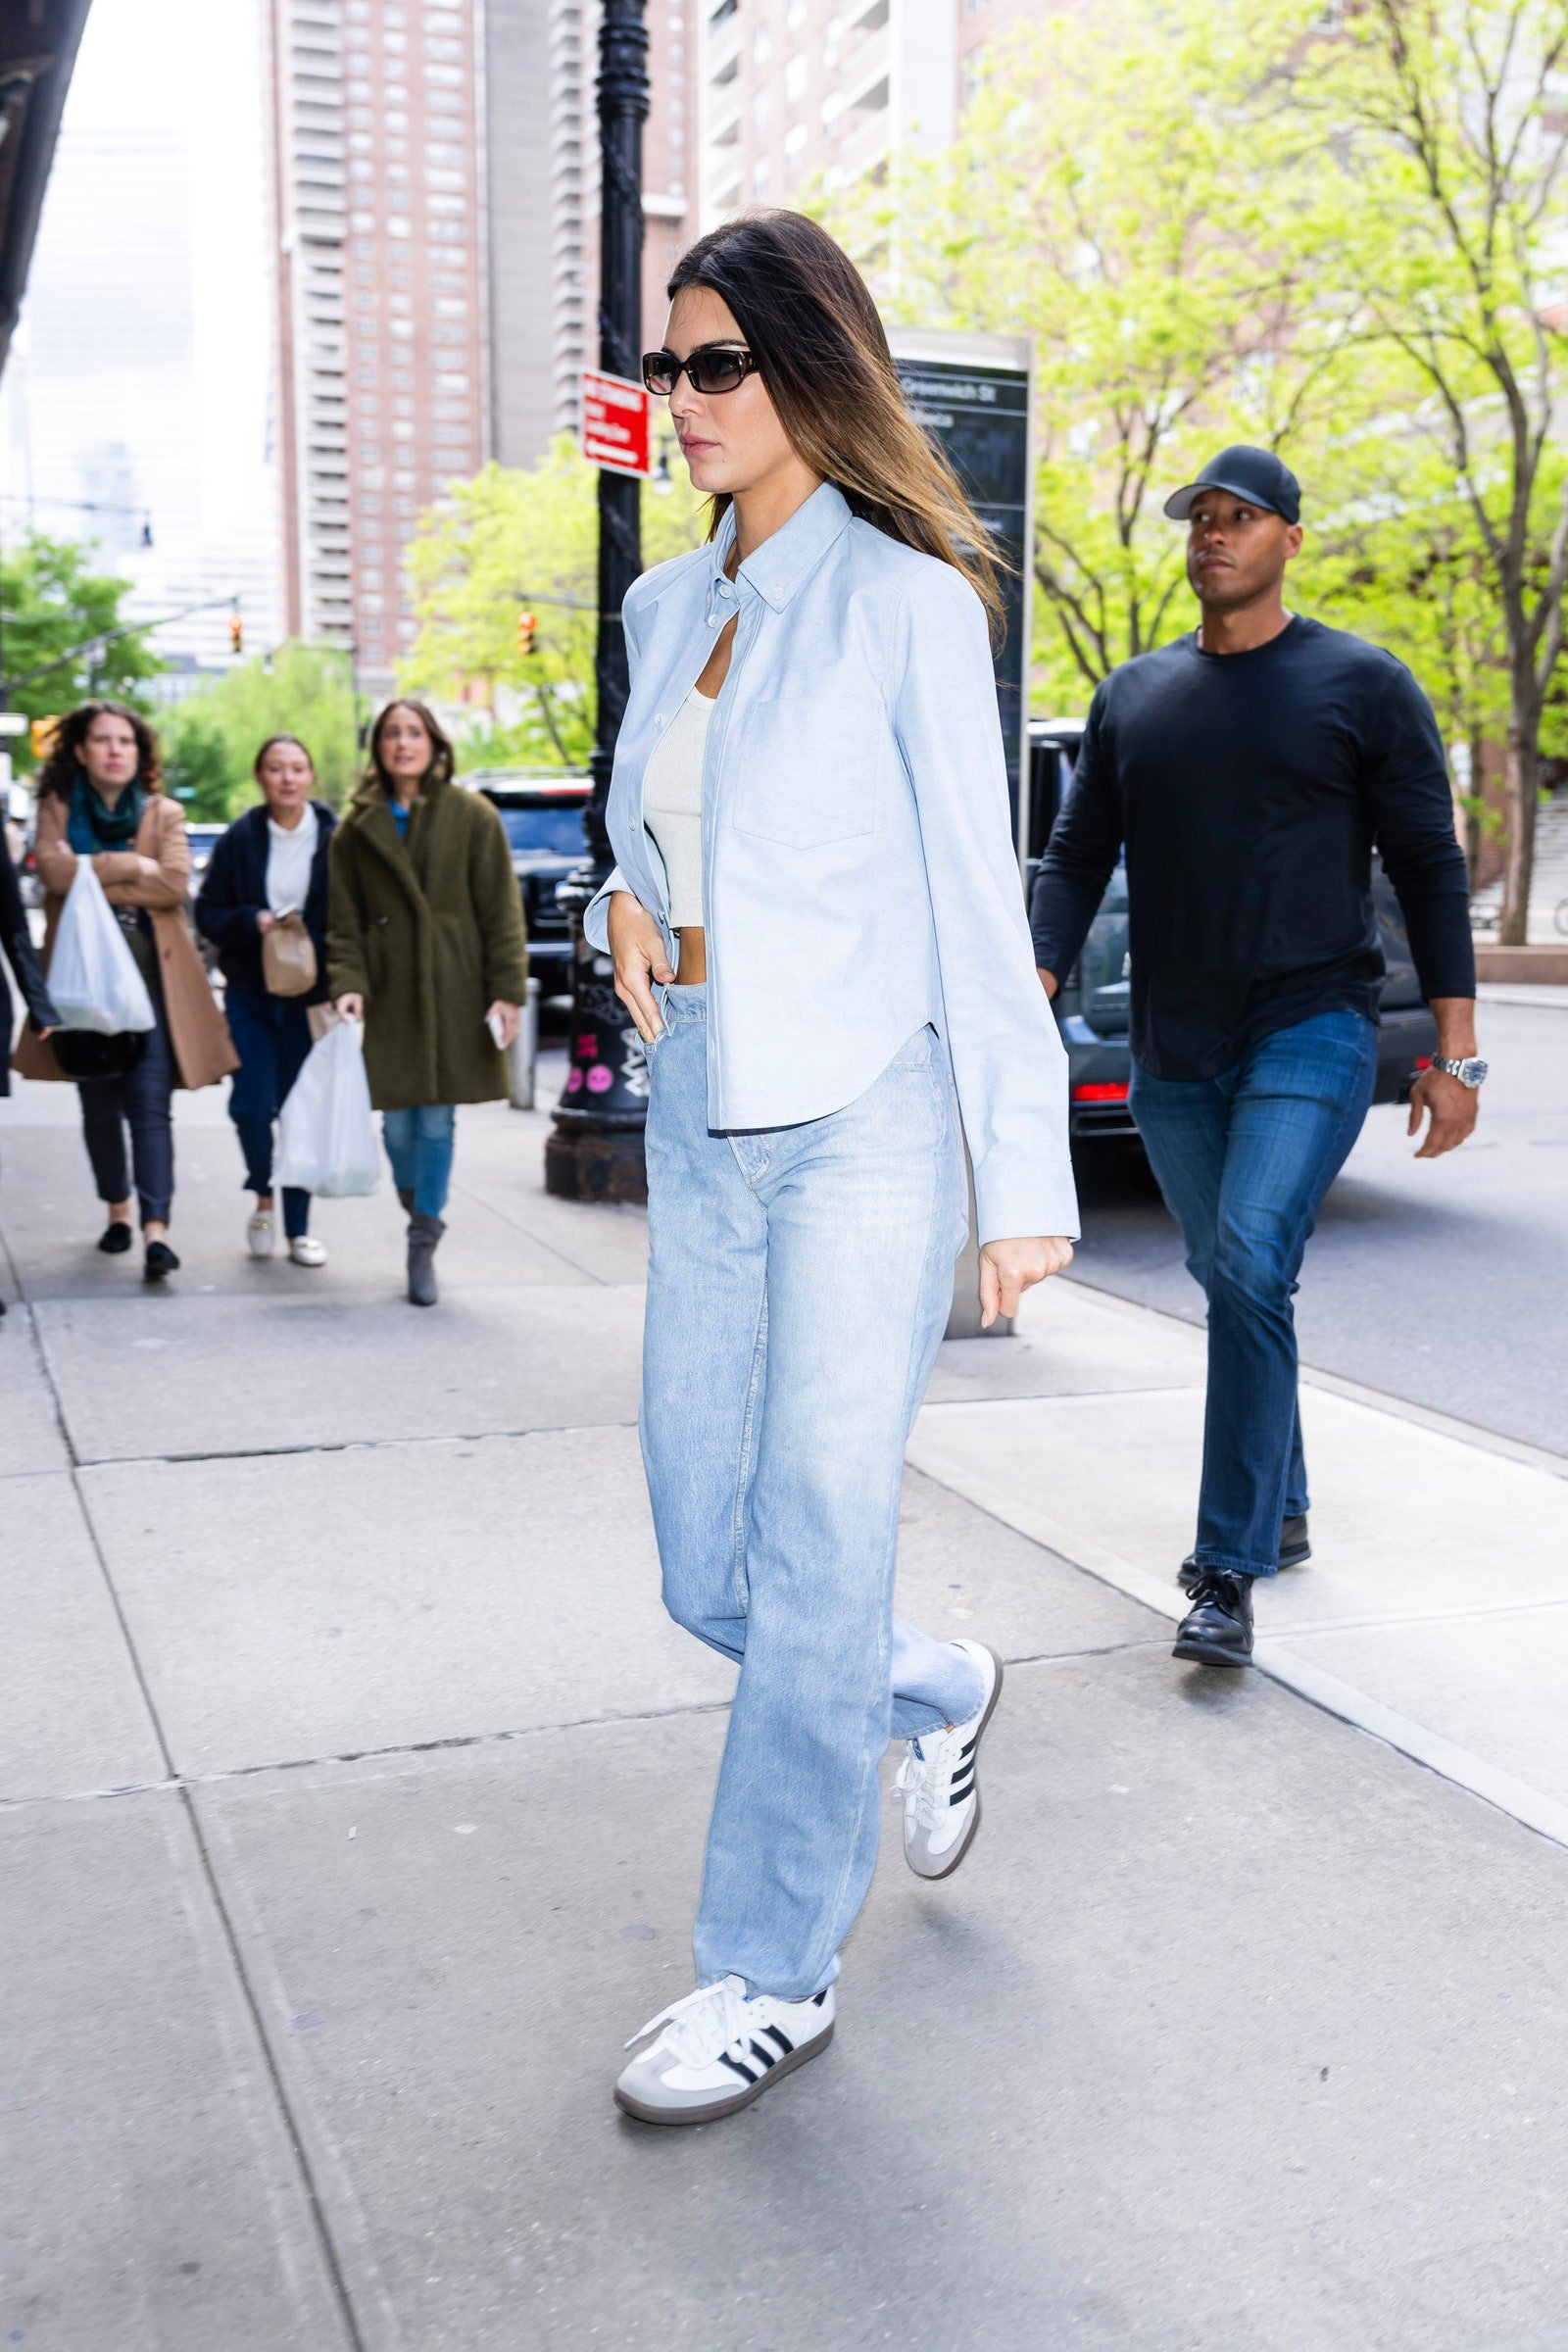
1444, 1282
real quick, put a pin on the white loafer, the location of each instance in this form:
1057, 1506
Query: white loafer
258, 1234
305, 1250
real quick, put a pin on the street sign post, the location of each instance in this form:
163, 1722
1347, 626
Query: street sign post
616, 424
974, 394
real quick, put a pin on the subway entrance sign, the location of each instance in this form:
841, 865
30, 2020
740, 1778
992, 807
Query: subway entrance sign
974, 396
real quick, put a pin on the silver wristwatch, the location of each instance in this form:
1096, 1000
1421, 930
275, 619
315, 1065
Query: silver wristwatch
1469, 1072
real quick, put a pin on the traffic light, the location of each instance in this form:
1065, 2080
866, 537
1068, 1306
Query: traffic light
527, 631
236, 634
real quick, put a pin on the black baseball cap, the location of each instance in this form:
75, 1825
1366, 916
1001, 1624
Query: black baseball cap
1256, 474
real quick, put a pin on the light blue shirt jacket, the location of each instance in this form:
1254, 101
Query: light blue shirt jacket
858, 873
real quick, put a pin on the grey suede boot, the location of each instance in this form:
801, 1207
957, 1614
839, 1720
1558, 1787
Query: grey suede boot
424, 1235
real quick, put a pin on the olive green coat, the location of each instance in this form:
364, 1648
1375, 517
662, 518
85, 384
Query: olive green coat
430, 932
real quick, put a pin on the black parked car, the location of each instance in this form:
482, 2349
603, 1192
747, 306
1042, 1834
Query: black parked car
541, 809
1092, 1004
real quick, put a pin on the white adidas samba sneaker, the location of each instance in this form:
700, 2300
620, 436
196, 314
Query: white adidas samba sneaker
939, 1781
719, 2050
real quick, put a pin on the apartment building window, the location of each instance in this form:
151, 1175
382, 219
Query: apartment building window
762, 47
795, 75
794, 140
727, 70
725, 8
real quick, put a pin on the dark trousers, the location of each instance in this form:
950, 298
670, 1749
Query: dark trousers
1243, 1161
141, 1101
272, 1037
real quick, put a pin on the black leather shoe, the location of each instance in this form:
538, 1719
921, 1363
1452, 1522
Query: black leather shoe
159, 1261
1294, 1551
114, 1240
1217, 1629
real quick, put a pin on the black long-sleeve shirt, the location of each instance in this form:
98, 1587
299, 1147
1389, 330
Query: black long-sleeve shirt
1249, 790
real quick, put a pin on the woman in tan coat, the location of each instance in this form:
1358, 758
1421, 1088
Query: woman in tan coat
99, 797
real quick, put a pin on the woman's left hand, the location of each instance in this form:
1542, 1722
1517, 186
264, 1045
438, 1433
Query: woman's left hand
1009, 1268
502, 1018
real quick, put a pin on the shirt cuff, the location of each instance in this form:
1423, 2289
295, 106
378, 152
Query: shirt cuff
1025, 1203
596, 915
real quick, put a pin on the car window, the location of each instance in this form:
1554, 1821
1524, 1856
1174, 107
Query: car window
549, 832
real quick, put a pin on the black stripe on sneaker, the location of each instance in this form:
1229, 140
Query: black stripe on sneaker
818, 1998
736, 2066
969, 1747
961, 1796
764, 2058
785, 2045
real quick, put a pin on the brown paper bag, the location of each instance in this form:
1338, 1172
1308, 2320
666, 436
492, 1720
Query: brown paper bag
288, 958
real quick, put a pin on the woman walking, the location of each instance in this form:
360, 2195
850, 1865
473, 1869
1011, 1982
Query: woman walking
17, 942
427, 946
99, 797
271, 865
817, 926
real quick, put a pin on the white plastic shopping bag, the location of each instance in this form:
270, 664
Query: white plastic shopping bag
92, 973
325, 1131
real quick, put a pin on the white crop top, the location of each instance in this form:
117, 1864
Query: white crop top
672, 808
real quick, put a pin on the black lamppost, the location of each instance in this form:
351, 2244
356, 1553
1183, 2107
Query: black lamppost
595, 1151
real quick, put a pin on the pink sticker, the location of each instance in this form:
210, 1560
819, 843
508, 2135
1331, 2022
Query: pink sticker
600, 1079
574, 1082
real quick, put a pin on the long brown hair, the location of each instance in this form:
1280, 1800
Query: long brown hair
58, 775
811, 324
442, 758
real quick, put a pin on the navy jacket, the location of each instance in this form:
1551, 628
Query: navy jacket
17, 942
233, 893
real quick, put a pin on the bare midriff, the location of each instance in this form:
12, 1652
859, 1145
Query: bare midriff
691, 960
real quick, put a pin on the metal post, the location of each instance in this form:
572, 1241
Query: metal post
596, 1151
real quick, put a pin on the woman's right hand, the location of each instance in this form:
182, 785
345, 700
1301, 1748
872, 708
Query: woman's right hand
265, 921
637, 949
349, 1007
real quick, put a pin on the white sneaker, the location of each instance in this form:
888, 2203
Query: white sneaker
940, 1780
258, 1234
305, 1250
718, 2051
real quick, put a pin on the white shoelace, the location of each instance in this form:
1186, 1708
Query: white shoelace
917, 1778
703, 2024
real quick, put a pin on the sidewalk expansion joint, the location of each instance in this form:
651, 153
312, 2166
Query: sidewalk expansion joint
330, 1445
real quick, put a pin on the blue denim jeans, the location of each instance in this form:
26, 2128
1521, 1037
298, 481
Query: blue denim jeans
272, 1038
1243, 1161
142, 1101
419, 1143
799, 1283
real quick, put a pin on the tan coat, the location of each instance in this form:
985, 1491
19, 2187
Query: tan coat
154, 874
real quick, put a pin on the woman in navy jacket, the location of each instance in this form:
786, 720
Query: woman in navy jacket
272, 861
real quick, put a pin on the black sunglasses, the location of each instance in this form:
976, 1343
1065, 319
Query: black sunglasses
712, 368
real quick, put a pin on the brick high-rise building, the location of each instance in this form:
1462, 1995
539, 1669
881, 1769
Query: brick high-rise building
434, 168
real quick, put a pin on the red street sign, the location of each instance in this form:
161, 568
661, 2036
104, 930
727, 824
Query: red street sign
616, 422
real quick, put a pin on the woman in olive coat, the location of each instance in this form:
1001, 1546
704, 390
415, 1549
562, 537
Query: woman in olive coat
425, 945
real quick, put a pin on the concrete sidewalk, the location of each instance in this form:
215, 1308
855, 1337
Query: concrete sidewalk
354, 1794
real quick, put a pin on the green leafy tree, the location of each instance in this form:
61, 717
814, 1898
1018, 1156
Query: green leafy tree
1448, 120
1132, 191
511, 542
211, 740
58, 619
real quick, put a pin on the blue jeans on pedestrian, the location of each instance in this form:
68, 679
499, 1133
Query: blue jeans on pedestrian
1243, 1161
272, 1038
419, 1143
142, 1101
799, 1283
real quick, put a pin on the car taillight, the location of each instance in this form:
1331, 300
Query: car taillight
1107, 1090
1423, 1061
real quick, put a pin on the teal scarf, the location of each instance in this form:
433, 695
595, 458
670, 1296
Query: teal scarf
93, 826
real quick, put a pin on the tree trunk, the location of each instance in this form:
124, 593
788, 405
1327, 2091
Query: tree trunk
1475, 799
1523, 787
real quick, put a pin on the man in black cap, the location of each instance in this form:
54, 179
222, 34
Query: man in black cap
1249, 768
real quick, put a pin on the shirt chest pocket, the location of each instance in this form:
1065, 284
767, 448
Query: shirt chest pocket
808, 767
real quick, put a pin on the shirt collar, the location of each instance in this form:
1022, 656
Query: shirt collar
778, 568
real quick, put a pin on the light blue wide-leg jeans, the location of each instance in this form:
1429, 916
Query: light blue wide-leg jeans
799, 1283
